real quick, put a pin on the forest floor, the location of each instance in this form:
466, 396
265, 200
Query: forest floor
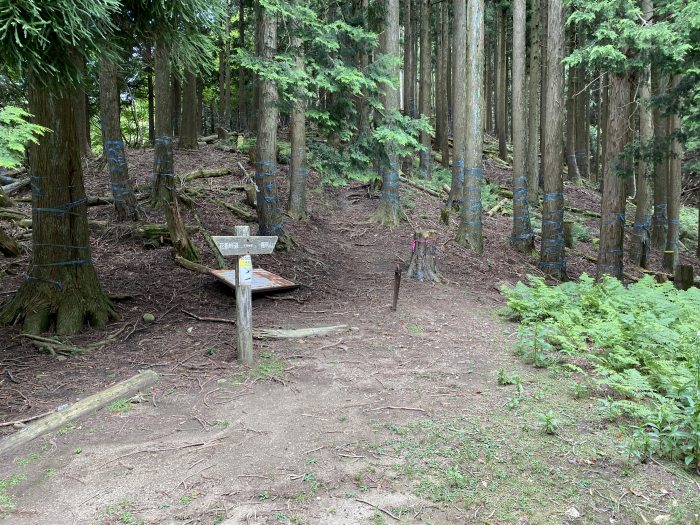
398, 419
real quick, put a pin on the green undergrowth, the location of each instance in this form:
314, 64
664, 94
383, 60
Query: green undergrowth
638, 348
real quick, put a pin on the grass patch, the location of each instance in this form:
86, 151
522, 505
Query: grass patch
119, 405
511, 469
269, 367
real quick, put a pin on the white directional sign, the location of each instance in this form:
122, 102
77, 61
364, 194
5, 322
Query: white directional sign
229, 245
242, 246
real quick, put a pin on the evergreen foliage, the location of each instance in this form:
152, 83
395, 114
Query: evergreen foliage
15, 133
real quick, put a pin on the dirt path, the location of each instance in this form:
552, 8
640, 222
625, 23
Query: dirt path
397, 420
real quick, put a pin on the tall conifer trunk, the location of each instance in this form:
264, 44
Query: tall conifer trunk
425, 85
296, 206
501, 87
388, 211
459, 101
164, 192
188, 131
442, 91
581, 135
659, 220
533, 143
225, 74
407, 56
122, 188
82, 117
571, 116
552, 256
61, 286
674, 188
612, 221
269, 214
522, 236
470, 233
242, 120
641, 232
175, 104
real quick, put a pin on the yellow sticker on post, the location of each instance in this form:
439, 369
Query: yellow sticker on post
245, 267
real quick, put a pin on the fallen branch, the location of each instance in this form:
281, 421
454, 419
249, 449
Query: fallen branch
10, 188
89, 404
209, 319
414, 409
420, 187
380, 509
294, 333
193, 266
205, 173
26, 419
239, 211
208, 139
212, 245
496, 207
54, 346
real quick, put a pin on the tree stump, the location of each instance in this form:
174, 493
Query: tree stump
423, 249
8, 246
683, 276
569, 234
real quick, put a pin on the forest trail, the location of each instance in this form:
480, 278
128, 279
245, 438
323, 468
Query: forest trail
351, 428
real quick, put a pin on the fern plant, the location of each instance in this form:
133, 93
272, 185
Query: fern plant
641, 341
15, 133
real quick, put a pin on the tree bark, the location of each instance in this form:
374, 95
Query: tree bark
442, 85
61, 286
361, 102
459, 101
572, 167
164, 193
533, 144
641, 232
296, 206
82, 118
522, 237
199, 118
425, 86
501, 119
659, 220
581, 135
544, 64
175, 104
188, 131
407, 57
125, 206
552, 255
674, 188
469, 233
388, 211
242, 120
151, 103
612, 221
225, 73
269, 216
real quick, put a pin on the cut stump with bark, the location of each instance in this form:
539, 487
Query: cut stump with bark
683, 276
423, 266
8, 246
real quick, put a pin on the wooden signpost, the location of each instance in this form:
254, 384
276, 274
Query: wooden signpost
242, 246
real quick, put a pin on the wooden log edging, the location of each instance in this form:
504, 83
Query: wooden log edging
90, 404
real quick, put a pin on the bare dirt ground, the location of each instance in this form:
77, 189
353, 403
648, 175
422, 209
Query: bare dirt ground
397, 419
